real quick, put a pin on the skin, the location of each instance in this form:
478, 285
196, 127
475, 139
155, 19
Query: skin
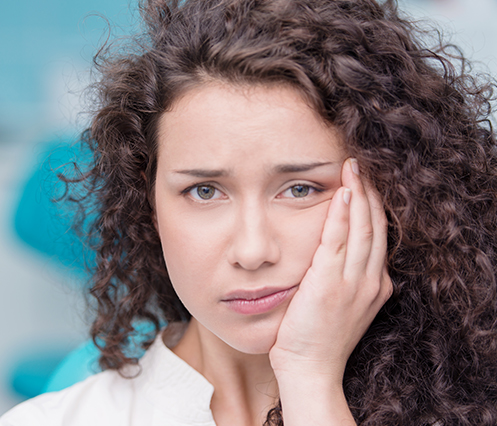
282, 209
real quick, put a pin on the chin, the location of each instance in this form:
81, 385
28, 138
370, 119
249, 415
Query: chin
254, 340
255, 347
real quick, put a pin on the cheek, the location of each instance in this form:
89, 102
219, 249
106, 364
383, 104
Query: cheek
194, 245
301, 234
191, 246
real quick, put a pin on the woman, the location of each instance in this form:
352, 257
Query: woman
307, 196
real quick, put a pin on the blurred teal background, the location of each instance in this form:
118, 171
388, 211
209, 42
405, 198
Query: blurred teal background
46, 47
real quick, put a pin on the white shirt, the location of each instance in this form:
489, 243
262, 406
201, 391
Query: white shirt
167, 392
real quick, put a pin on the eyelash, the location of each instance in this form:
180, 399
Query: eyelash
311, 188
186, 191
189, 189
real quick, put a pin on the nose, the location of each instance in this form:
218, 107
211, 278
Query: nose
253, 244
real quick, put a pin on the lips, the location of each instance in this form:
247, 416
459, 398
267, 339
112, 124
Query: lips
253, 302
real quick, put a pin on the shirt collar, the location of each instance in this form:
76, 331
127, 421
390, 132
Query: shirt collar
174, 387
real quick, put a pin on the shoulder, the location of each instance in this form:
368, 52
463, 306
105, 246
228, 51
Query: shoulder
162, 388
102, 399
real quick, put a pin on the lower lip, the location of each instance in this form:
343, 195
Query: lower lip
261, 305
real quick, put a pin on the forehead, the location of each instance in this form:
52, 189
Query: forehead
249, 122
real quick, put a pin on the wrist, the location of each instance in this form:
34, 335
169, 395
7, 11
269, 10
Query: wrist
325, 374
322, 385
313, 400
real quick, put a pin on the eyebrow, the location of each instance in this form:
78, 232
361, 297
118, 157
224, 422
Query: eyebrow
279, 169
295, 168
203, 173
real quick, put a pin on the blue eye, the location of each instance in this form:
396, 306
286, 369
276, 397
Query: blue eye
204, 192
298, 191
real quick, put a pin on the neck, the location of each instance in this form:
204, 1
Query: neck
244, 385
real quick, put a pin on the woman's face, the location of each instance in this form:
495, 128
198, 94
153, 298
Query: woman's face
244, 180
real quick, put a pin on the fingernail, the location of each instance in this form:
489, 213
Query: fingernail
346, 195
355, 166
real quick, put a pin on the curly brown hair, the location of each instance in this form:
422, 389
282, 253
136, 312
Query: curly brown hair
420, 129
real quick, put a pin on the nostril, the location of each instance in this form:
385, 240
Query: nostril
252, 250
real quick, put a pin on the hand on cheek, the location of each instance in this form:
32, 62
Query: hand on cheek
342, 291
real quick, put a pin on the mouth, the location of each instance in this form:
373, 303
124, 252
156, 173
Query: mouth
253, 302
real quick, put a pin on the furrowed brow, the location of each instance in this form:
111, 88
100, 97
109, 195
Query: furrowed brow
296, 168
279, 169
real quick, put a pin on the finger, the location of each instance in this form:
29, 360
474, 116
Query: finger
377, 258
387, 286
384, 292
361, 229
330, 255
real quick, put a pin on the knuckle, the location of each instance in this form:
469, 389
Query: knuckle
367, 231
339, 248
374, 289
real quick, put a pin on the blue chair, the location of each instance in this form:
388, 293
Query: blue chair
79, 364
33, 368
45, 226
83, 361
